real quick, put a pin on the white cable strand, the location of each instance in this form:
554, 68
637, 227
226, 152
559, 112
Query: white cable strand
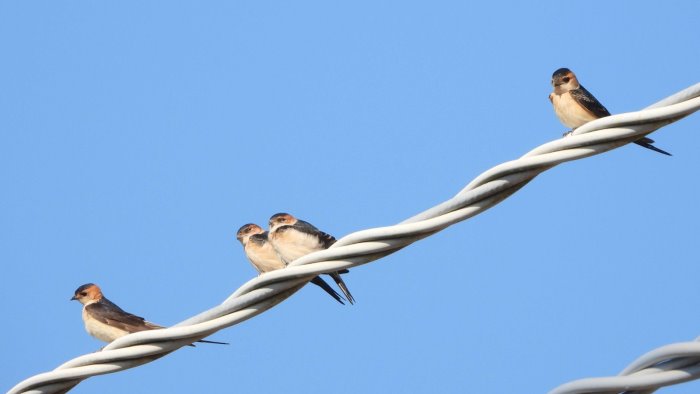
662, 367
670, 364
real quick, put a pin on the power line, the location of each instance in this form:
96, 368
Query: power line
667, 365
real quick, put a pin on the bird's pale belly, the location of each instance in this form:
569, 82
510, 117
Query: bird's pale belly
265, 259
570, 112
101, 331
294, 244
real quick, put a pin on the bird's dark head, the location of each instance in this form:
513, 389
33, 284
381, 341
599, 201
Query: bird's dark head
564, 80
246, 231
281, 219
87, 293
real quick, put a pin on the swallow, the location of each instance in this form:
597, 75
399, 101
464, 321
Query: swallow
106, 321
293, 238
264, 257
576, 106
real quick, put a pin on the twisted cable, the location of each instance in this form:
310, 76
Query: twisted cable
667, 365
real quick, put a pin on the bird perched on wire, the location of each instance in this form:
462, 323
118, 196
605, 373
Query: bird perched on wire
264, 257
293, 238
106, 321
575, 106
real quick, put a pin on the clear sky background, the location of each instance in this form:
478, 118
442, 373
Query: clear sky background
136, 137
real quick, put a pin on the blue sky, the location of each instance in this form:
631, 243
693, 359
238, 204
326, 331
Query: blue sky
137, 137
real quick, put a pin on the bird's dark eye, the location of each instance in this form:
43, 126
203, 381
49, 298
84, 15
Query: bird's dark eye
566, 79
83, 294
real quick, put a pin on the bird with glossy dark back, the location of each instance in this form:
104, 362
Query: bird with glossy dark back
264, 257
106, 321
293, 238
576, 106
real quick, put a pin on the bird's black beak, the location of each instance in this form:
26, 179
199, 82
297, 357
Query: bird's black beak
73, 298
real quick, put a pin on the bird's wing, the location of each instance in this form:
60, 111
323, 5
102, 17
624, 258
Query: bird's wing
326, 239
109, 313
590, 103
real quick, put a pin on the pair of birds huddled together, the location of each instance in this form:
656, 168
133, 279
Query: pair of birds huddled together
288, 239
